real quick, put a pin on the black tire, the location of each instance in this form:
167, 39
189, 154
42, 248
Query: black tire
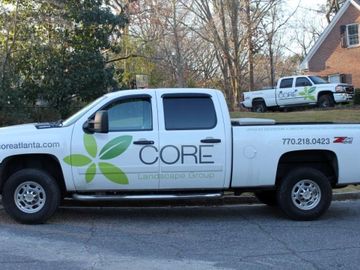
326, 101
267, 197
38, 196
295, 201
259, 106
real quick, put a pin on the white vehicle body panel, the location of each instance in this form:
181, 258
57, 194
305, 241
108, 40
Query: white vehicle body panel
247, 155
267, 95
258, 149
28, 140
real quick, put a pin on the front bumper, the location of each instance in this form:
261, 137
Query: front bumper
343, 97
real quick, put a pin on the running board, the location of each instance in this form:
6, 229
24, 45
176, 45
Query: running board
101, 198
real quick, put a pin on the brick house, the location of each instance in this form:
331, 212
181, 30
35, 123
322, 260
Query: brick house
336, 54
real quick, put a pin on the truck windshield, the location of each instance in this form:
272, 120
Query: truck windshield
72, 119
317, 80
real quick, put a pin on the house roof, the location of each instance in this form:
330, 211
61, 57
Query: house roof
305, 63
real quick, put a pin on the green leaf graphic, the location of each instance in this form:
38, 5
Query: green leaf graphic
113, 173
312, 89
90, 173
77, 160
90, 144
302, 94
311, 98
115, 147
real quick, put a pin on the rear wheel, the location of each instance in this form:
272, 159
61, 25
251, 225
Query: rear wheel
31, 196
304, 194
259, 106
267, 197
326, 101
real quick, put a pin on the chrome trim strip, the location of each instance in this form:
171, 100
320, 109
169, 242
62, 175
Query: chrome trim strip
89, 198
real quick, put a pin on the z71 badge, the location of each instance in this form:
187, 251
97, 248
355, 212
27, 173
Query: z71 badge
344, 140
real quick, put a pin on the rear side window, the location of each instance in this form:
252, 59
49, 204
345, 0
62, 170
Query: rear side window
286, 83
189, 113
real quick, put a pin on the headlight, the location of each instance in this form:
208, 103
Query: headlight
340, 88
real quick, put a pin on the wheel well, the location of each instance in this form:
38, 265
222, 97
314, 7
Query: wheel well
322, 160
258, 100
45, 162
322, 93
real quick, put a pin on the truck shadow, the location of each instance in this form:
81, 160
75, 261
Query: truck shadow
240, 213
165, 214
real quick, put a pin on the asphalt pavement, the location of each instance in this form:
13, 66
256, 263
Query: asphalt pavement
194, 237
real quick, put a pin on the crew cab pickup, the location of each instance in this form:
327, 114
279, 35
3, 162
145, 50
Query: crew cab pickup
173, 144
298, 91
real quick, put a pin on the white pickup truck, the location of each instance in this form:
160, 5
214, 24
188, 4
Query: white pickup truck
297, 91
173, 144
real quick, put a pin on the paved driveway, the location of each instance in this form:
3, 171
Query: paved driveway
222, 237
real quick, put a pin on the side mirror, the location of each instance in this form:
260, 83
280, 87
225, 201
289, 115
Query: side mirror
101, 122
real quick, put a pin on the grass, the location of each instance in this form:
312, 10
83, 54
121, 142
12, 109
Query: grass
351, 115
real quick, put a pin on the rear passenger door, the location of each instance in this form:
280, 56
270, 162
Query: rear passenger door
192, 147
286, 94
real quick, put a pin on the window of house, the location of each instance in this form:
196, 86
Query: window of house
334, 78
352, 33
338, 78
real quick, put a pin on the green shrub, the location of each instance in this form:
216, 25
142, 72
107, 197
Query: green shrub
357, 96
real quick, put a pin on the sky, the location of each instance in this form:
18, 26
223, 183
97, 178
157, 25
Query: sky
306, 14
305, 3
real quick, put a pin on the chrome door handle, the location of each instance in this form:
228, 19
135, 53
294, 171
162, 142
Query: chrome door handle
143, 142
210, 140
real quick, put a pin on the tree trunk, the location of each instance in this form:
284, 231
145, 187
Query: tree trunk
249, 45
272, 66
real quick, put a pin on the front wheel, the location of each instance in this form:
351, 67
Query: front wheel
31, 196
304, 194
326, 101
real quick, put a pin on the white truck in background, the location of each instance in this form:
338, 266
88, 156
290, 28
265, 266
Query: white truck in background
177, 144
296, 91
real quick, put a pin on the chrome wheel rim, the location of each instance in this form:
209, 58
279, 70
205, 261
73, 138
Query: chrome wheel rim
306, 194
30, 197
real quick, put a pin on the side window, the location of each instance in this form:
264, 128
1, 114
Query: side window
302, 81
352, 34
132, 114
286, 83
189, 113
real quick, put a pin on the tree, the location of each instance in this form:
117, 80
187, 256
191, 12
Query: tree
57, 52
332, 7
159, 25
305, 30
271, 24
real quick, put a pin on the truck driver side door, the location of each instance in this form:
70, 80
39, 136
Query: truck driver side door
111, 161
